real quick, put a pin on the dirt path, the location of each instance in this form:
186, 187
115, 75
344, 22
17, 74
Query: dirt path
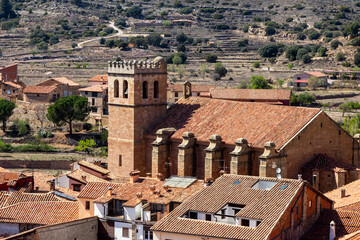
111, 24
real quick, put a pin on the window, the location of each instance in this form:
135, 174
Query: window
94, 94
116, 88
87, 205
77, 187
193, 215
149, 235
156, 89
236, 210
297, 210
176, 94
310, 204
93, 101
94, 109
245, 222
258, 223
158, 208
264, 185
208, 217
125, 89
86, 92
145, 90
223, 211
120, 161
125, 232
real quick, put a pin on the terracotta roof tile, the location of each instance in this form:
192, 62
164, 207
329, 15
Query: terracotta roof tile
67, 191
352, 194
325, 162
43, 213
65, 80
194, 87
317, 74
93, 167
99, 78
256, 122
95, 190
19, 197
345, 222
265, 205
251, 94
95, 88
40, 89
12, 84
78, 175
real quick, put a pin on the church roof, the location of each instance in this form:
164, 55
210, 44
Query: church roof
325, 162
251, 94
256, 122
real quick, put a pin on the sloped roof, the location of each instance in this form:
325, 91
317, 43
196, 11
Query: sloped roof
317, 74
12, 84
256, 122
265, 205
78, 175
65, 80
20, 197
325, 162
194, 87
352, 194
40, 89
95, 190
99, 78
250, 94
93, 167
43, 213
95, 88
345, 222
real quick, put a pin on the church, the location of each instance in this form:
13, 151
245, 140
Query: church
205, 137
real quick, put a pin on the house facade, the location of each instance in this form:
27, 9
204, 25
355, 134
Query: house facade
98, 98
176, 91
301, 80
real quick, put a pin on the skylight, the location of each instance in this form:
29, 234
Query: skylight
237, 182
264, 185
283, 186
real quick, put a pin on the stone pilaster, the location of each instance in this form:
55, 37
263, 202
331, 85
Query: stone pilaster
186, 155
160, 152
240, 158
213, 157
270, 160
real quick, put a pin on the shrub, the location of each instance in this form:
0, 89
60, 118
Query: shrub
20, 127
291, 52
340, 56
306, 58
121, 23
134, 11
335, 44
186, 10
220, 69
271, 50
86, 146
256, 64
5, 147
301, 52
35, 147
218, 16
355, 42
270, 31
312, 34
304, 99
243, 42
259, 82
181, 37
211, 58
357, 59
322, 51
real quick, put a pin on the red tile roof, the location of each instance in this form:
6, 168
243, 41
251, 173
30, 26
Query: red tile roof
317, 74
251, 94
194, 87
95, 190
352, 194
43, 213
78, 175
265, 205
325, 162
95, 88
99, 78
20, 197
40, 89
65, 80
12, 84
345, 222
257, 122
94, 167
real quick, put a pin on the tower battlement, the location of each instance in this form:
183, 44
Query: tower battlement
134, 66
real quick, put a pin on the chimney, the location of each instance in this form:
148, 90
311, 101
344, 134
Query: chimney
110, 191
342, 193
299, 177
139, 195
134, 176
83, 177
332, 231
222, 172
97, 162
166, 187
208, 182
159, 176
52, 185
148, 175
152, 188
187, 90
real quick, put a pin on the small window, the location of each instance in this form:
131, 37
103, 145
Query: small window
156, 89
87, 205
120, 161
310, 204
299, 137
208, 217
145, 90
38, 95
125, 89
245, 222
125, 232
77, 188
283, 187
339, 132
193, 215
93, 101
297, 210
321, 125
258, 223
86, 92
13, 91
329, 175
116, 89
237, 182
223, 211
236, 210
176, 94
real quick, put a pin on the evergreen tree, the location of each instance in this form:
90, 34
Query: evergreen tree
6, 10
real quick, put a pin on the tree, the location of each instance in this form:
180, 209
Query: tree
211, 58
352, 125
181, 48
181, 38
335, 44
352, 30
86, 146
357, 59
243, 42
102, 40
340, 56
259, 82
177, 60
304, 99
271, 50
322, 51
6, 110
6, 10
67, 109
40, 113
220, 69
313, 82
154, 39
269, 30
291, 52
203, 70
346, 107
306, 58
256, 64
135, 12
280, 82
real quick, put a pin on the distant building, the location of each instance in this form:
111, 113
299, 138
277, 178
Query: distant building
271, 96
245, 207
99, 80
176, 91
51, 90
12, 90
9, 73
301, 80
98, 98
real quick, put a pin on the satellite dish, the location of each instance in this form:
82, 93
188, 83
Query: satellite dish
274, 165
278, 176
278, 170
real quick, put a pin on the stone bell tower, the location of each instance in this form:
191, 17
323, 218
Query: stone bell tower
137, 99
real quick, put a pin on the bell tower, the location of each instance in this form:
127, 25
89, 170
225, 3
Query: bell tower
137, 99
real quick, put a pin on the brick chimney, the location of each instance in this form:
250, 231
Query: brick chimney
134, 176
342, 193
83, 177
110, 191
97, 162
159, 176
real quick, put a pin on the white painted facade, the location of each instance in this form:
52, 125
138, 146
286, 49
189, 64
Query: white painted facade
62, 181
119, 230
100, 209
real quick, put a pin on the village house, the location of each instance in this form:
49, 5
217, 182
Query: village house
301, 80
137, 203
98, 80
176, 91
271, 96
245, 207
50, 90
9, 73
98, 98
202, 136
10, 87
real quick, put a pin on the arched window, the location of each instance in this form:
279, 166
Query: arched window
156, 89
125, 89
116, 89
145, 90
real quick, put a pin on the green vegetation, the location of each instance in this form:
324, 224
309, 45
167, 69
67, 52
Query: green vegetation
259, 82
86, 146
271, 50
348, 107
220, 69
35, 147
352, 124
5, 147
211, 58
20, 128
68, 109
6, 110
6, 10
256, 64
303, 99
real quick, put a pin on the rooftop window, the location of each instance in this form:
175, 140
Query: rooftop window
237, 182
283, 186
264, 185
